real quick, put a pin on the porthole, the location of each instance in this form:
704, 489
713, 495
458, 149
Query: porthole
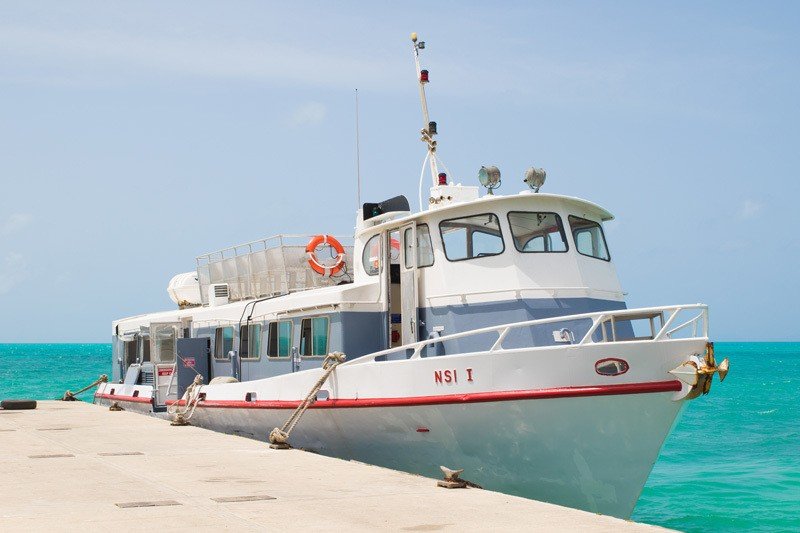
611, 366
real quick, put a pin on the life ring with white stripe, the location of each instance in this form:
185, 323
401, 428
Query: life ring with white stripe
318, 267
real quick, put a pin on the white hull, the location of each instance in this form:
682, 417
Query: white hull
588, 453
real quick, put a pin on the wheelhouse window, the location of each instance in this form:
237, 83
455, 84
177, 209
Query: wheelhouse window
314, 336
371, 256
589, 238
223, 342
424, 246
537, 232
250, 341
163, 342
279, 343
472, 237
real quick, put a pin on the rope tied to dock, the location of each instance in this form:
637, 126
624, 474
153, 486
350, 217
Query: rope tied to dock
192, 397
69, 396
278, 437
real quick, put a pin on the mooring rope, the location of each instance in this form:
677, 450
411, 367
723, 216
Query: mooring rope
278, 437
192, 397
69, 396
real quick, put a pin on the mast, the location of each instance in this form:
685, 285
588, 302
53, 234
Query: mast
429, 128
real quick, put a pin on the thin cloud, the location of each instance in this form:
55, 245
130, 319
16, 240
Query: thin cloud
308, 114
15, 222
13, 271
103, 56
750, 209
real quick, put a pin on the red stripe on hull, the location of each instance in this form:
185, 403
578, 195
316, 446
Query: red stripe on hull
476, 397
117, 398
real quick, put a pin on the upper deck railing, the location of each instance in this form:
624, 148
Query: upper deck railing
603, 327
266, 267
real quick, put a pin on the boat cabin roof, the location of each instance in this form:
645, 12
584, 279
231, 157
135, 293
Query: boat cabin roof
486, 202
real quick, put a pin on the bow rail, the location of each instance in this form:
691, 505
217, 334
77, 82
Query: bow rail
605, 328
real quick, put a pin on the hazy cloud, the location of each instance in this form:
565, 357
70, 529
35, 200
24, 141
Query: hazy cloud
13, 270
750, 209
94, 56
308, 114
15, 222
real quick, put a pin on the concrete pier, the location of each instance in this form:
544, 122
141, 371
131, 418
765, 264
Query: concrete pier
72, 466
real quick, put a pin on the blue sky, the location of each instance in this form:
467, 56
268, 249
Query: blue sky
135, 136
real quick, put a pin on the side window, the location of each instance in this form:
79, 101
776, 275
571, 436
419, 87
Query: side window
223, 342
424, 247
130, 352
394, 246
314, 336
371, 257
589, 238
409, 249
144, 348
471, 237
537, 232
279, 343
163, 340
250, 341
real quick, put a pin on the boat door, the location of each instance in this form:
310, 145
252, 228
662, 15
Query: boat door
408, 285
163, 339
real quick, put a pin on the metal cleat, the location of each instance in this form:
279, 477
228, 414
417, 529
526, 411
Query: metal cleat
451, 479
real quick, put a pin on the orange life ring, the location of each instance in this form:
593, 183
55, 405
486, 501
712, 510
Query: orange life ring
318, 267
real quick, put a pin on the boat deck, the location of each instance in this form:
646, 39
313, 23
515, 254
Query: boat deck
73, 466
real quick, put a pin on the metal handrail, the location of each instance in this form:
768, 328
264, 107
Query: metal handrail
267, 243
598, 318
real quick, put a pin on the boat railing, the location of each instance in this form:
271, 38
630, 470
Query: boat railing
659, 324
266, 267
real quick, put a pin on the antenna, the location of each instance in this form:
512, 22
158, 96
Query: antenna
358, 158
429, 128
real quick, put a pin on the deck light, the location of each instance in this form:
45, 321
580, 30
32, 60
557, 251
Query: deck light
535, 177
489, 177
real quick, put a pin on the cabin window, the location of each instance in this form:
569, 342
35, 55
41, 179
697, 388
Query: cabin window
537, 232
314, 336
280, 339
424, 246
471, 237
371, 257
589, 238
250, 341
130, 350
162, 337
144, 348
223, 342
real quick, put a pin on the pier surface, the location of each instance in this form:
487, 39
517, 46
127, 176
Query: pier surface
72, 466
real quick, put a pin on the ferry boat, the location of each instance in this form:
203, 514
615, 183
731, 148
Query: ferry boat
487, 333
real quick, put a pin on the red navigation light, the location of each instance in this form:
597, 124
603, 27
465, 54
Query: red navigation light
423, 76
442, 178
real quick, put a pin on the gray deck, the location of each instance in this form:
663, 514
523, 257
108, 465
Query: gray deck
71, 466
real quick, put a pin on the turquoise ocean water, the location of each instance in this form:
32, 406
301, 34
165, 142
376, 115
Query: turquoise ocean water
732, 461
